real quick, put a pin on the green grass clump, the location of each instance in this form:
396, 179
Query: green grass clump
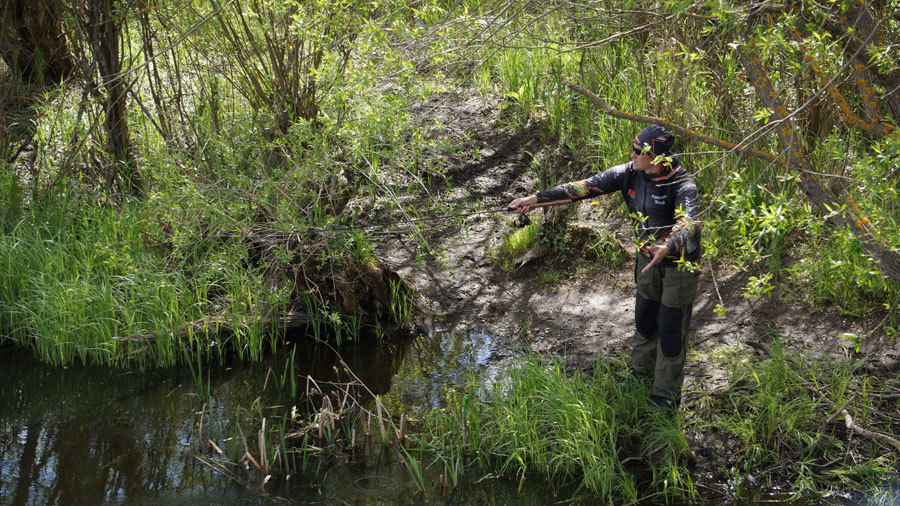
588, 433
833, 269
517, 243
541, 423
606, 250
80, 284
785, 416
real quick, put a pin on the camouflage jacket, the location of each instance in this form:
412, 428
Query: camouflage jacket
658, 203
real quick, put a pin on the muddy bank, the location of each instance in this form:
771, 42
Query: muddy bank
585, 310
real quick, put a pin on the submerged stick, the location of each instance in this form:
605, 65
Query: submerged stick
253, 461
247, 449
263, 454
402, 428
330, 410
384, 436
217, 449
218, 467
200, 429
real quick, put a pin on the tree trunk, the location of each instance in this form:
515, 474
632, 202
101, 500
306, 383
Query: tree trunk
106, 18
852, 28
842, 212
32, 42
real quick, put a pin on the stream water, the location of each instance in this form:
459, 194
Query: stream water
96, 435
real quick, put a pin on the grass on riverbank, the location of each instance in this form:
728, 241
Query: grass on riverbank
80, 283
780, 421
777, 421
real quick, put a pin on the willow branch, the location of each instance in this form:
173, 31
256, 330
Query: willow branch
687, 132
846, 213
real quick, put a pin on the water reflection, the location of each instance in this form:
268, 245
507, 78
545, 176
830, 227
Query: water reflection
93, 435
438, 363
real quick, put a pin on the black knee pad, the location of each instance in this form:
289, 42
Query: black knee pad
646, 312
670, 330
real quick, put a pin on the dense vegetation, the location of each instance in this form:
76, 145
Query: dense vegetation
180, 178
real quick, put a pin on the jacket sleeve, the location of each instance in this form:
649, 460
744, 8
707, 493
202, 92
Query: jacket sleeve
685, 236
608, 181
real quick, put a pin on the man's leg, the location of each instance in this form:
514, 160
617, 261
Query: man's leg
674, 325
679, 289
646, 316
644, 341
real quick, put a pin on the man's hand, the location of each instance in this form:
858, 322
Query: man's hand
658, 252
522, 204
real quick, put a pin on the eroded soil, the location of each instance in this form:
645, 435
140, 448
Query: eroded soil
566, 304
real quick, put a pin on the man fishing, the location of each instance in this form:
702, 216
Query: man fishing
662, 198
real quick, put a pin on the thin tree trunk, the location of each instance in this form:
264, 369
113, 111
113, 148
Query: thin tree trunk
106, 31
856, 24
32, 42
844, 213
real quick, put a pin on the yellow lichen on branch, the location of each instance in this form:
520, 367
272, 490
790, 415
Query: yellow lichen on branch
872, 123
846, 214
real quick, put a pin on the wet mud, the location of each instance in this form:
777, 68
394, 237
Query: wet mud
586, 311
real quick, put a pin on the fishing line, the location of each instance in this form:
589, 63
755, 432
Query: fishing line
406, 222
521, 220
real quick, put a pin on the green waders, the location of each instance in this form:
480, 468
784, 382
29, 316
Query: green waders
662, 316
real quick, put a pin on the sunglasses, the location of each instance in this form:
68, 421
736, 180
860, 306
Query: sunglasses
638, 151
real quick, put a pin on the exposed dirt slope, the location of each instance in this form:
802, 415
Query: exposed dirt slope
588, 312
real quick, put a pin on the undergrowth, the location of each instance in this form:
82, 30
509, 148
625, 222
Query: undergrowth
588, 437
785, 413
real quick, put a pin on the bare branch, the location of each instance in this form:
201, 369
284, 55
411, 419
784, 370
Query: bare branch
877, 436
687, 132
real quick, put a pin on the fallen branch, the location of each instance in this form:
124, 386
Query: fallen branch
815, 442
884, 438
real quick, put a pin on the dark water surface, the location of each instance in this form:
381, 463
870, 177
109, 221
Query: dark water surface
99, 435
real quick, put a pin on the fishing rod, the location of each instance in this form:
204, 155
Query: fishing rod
524, 219
520, 222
